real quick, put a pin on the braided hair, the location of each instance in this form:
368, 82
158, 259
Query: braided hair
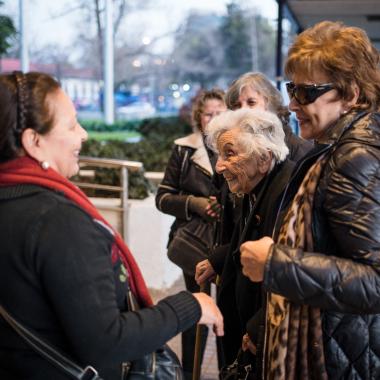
23, 105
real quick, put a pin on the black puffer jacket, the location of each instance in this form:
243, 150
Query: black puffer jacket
343, 276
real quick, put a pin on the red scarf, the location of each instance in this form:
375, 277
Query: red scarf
25, 170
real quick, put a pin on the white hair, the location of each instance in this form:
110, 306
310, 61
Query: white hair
261, 131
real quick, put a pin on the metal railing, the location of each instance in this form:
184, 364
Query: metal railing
124, 166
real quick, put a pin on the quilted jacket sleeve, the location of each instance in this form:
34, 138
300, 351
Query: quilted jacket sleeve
168, 198
348, 279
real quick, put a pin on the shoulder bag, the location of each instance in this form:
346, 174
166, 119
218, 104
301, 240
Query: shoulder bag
49, 353
192, 242
162, 364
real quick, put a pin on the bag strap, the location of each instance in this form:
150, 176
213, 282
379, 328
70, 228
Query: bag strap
49, 353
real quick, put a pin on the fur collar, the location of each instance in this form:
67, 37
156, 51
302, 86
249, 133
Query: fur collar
200, 156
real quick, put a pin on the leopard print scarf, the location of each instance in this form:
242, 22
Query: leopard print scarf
294, 339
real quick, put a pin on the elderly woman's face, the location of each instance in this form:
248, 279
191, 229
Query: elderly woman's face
60, 147
212, 108
315, 118
241, 171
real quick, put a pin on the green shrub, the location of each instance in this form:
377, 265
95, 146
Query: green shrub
101, 126
153, 151
164, 129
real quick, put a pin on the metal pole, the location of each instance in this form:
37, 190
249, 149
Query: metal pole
23, 20
280, 17
124, 203
108, 64
254, 50
197, 366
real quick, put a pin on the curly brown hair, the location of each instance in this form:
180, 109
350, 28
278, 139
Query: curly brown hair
344, 54
200, 101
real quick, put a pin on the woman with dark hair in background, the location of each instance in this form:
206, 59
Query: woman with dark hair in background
65, 274
188, 193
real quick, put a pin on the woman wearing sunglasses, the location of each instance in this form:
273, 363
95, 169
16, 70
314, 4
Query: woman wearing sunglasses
322, 270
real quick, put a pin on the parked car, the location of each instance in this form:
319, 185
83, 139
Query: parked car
136, 110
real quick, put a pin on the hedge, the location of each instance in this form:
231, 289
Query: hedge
153, 151
101, 126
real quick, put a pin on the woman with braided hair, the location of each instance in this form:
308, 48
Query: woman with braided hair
322, 268
64, 272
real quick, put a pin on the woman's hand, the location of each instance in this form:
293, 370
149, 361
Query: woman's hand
207, 208
248, 345
253, 256
213, 210
204, 272
210, 313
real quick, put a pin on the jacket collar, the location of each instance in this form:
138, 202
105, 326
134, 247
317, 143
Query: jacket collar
200, 155
335, 132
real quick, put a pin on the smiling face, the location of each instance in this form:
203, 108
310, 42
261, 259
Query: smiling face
250, 98
315, 118
61, 146
241, 171
212, 108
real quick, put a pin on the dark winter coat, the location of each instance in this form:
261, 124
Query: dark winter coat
57, 278
238, 297
342, 276
189, 172
298, 147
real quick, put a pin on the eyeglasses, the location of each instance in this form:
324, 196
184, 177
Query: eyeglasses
307, 93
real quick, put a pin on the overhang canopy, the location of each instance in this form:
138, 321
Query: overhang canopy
364, 14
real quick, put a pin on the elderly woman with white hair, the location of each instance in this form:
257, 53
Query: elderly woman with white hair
252, 157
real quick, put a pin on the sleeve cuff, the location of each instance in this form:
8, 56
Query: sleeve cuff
267, 276
187, 309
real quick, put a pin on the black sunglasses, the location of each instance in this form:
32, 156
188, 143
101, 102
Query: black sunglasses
307, 93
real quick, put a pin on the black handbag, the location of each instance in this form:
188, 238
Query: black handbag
236, 370
192, 242
163, 364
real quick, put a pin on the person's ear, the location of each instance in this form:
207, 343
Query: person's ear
356, 91
265, 162
30, 141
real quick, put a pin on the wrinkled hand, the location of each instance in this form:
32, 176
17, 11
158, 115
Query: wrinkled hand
247, 344
204, 272
207, 208
253, 256
210, 313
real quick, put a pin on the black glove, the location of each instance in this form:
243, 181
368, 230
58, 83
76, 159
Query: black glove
206, 208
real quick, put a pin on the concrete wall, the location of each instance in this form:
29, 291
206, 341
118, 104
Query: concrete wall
147, 238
